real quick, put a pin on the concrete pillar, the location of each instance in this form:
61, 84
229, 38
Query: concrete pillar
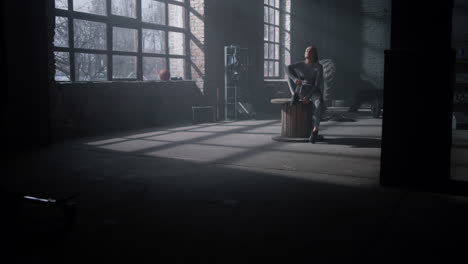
418, 88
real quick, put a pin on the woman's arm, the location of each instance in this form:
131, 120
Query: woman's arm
290, 71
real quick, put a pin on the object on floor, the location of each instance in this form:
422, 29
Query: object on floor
203, 114
296, 120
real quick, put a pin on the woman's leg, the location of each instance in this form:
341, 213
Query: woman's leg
319, 107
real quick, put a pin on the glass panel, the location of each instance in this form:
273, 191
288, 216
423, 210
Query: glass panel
176, 67
277, 34
265, 14
271, 33
270, 68
153, 12
97, 7
62, 66
90, 67
277, 3
271, 51
272, 2
176, 16
265, 2
277, 17
61, 32
125, 39
287, 22
276, 69
152, 66
265, 32
277, 51
124, 67
265, 68
180, 1
287, 40
62, 4
124, 8
89, 34
176, 43
271, 16
265, 50
154, 41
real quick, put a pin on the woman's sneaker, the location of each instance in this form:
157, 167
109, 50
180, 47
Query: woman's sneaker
313, 137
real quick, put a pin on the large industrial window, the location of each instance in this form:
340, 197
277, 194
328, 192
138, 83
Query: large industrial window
276, 36
105, 40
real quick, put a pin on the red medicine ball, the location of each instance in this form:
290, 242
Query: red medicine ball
164, 75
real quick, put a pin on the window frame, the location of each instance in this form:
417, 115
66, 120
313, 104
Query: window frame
111, 21
281, 42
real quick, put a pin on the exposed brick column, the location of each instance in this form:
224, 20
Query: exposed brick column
197, 41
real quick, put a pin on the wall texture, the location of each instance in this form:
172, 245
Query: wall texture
354, 34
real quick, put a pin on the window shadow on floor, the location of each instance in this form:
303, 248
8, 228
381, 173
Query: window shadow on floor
353, 142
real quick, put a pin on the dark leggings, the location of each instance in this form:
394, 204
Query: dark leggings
317, 101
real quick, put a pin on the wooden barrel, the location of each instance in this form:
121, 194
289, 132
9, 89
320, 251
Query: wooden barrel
296, 120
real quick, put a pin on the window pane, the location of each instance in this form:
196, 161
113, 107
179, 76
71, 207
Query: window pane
271, 33
89, 34
90, 67
62, 66
176, 67
153, 12
176, 16
287, 22
272, 2
62, 4
265, 2
271, 51
271, 16
277, 3
277, 17
276, 69
125, 39
97, 7
265, 50
152, 66
277, 34
61, 32
265, 68
270, 68
124, 67
277, 51
265, 14
176, 43
154, 41
180, 1
265, 32
124, 8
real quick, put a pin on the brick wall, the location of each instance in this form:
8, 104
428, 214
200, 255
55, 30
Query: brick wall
375, 35
83, 109
197, 41
354, 34
230, 22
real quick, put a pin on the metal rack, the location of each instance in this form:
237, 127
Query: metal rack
235, 76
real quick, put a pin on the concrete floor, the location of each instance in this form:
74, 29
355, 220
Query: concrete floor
227, 193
